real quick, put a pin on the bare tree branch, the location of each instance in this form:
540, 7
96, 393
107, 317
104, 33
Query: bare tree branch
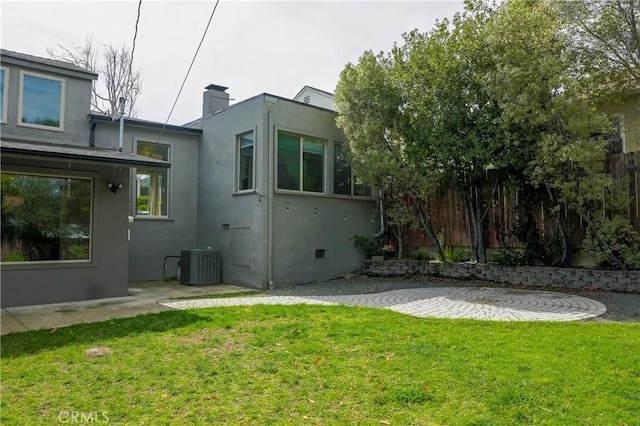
116, 77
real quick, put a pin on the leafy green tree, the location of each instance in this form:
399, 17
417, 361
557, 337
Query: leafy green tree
544, 107
369, 112
605, 35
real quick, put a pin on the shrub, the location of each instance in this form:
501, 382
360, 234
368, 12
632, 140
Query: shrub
456, 254
77, 252
15, 256
421, 254
369, 246
617, 237
508, 257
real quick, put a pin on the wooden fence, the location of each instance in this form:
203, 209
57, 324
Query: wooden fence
445, 211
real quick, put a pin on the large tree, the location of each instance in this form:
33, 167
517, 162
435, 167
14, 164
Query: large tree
605, 34
545, 109
493, 96
369, 103
117, 79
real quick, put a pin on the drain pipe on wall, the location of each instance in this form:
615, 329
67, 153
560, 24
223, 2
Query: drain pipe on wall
271, 192
381, 231
121, 136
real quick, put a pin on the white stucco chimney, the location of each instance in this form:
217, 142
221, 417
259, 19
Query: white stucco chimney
214, 99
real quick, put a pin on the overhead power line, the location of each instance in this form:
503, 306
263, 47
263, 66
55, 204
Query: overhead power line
135, 36
189, 70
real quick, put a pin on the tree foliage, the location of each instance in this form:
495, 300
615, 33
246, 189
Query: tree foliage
494, 96
605, 35
116, 77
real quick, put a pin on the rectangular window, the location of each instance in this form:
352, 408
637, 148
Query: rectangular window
41, 101
45, 218
300, 163
245, 161
4, 77
615, 139
341, 171
152, 185
344, 181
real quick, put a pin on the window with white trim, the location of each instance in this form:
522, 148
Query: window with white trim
300, 163
615, 139
41, 101
45, 218
4, 78
245, 163
345, 182
152, 185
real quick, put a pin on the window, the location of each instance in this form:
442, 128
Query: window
45, 218
615, 139
41, 102
152, 184
344, 181
300, 163
245, 161
4, 77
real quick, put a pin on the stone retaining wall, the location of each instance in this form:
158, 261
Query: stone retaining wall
543, 276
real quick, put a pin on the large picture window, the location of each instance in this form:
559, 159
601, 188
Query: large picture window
300, 163
4, 77
45, 218
41, 101
245, 162
345, 182
152, 184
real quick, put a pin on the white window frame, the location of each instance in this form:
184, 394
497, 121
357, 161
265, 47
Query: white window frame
301, 137
169, 183
252, 186
621, 129
5, 95
60, 128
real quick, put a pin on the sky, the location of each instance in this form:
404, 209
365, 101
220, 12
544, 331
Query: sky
252, 47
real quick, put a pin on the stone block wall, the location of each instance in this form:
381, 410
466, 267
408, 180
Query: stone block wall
542, 276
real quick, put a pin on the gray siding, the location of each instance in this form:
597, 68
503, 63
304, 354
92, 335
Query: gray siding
279, 243
154, 238
33, 283
241, 243
77, 104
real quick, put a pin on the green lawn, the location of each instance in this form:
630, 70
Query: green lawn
317, 365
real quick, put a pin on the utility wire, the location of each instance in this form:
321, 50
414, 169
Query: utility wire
133, 45
189, 70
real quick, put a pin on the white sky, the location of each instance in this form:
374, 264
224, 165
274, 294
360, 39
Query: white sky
251, 47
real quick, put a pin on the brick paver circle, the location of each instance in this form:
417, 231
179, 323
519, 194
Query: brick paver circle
484, 303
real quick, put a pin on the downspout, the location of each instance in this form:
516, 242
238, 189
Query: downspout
92, 134
381, 231
270, 191
121, 136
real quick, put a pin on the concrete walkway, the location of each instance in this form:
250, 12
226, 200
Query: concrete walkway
483, 303
143, 298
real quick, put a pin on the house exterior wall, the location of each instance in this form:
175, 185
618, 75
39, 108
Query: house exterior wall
154, 238
313, 221
229, 220
319, 98
105, 275
262, 243
77, 101
629, 108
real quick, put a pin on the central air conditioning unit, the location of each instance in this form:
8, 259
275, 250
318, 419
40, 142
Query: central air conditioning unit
199, 266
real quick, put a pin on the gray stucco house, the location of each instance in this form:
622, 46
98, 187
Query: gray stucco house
263, 181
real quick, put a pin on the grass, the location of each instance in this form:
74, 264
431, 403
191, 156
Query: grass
322, 365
